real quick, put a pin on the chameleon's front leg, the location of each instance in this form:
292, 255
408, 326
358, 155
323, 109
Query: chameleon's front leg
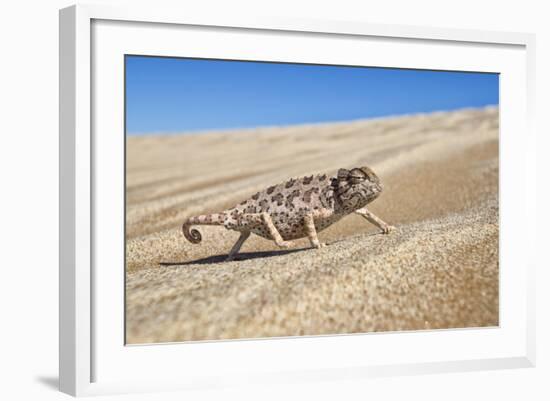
312, 232
385, 227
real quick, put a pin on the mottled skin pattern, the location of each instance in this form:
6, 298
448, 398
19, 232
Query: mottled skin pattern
297, 208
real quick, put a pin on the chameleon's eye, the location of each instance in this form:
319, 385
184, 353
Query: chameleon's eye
356, 176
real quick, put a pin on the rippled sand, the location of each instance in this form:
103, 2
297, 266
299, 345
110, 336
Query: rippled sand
438, 270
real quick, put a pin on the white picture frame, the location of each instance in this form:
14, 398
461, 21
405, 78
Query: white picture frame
91, 357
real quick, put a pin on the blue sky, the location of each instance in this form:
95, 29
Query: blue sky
185, 95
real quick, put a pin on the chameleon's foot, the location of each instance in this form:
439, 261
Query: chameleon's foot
285, 244
319, 245
387, 229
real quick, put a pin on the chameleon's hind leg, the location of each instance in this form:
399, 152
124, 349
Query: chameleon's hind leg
244, 236
377, 221
264, 219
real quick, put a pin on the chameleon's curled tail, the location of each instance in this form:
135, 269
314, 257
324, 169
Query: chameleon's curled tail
193, 235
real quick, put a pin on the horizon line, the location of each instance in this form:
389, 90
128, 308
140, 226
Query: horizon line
303, 124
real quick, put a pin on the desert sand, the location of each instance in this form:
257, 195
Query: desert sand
437, 270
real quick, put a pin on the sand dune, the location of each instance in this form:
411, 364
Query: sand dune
438, 270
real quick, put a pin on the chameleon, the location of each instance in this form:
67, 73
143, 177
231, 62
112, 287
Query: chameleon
297, 208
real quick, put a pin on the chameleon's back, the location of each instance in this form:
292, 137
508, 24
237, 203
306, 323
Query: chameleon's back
287, 203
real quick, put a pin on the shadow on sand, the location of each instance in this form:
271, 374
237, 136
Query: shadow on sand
255, 255
239, 257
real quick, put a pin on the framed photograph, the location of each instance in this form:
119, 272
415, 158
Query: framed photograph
272, 200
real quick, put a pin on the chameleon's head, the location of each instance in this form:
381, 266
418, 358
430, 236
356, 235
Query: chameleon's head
357, 187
